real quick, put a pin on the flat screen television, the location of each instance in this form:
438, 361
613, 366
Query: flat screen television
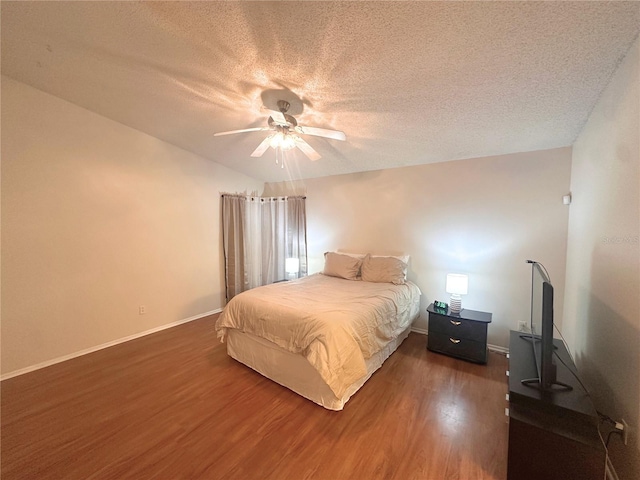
542, 330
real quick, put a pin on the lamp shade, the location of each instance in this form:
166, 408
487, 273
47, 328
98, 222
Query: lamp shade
292, 265
457, 284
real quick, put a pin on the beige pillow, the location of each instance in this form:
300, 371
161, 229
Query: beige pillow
383, 270
403, 258
342, 266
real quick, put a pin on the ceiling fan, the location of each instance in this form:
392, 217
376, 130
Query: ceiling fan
286, 134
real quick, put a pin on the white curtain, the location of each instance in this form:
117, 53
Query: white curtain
274, 229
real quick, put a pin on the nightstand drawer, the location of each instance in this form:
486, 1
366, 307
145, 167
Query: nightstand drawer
457, 347
458, 328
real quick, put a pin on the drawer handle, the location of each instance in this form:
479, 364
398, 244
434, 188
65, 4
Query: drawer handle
455, 322
454, 340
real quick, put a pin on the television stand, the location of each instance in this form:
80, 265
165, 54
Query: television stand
553, 434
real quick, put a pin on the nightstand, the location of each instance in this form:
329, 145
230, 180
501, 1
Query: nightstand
462, 335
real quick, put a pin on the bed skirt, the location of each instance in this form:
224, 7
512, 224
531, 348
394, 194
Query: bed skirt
294, 371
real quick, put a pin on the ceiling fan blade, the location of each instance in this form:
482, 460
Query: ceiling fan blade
262, 147
278, 117
307, 149
256, 129
321, 132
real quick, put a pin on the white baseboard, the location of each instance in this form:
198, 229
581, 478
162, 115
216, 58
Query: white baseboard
498, 349
48, 363
493, 348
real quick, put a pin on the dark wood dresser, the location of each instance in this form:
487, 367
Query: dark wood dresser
552, 435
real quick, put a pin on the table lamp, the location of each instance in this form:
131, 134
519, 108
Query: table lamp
292, 266
456, 285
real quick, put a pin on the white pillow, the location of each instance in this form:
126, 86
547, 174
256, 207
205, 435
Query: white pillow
341, 266
383, 270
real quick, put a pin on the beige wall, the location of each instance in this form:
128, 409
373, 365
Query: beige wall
98, 219
483, 217
602, 303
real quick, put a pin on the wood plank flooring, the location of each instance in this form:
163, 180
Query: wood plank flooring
173, 405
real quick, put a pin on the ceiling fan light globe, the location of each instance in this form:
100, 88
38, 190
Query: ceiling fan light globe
276, 140
287, 142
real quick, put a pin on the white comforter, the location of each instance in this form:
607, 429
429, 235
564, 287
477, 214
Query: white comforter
336, 324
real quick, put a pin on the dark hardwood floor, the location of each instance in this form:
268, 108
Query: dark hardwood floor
173, 405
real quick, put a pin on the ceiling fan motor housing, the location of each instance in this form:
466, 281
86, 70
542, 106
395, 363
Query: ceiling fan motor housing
283, 106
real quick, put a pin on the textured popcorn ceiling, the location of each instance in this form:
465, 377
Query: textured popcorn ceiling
408, 82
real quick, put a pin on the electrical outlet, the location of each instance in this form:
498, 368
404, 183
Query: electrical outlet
625, 431
523, 327
142, 310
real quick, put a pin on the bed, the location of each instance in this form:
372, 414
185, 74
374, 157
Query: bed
324, 335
